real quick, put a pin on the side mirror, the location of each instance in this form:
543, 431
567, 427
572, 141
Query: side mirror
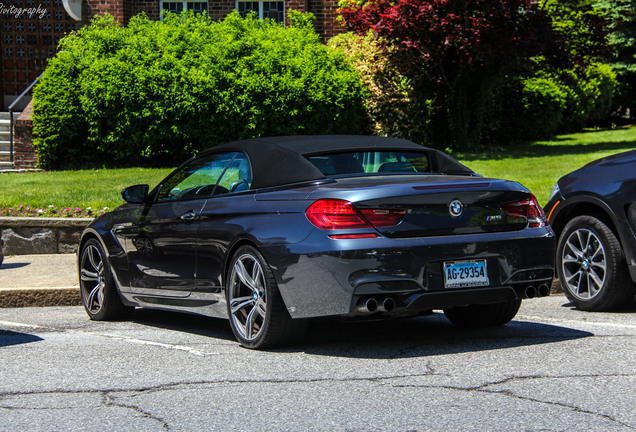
136, 194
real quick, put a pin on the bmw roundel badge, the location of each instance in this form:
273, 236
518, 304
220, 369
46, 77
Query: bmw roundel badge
455, 208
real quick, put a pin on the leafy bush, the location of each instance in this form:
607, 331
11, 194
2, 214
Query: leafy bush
544, 104
548, 103
391, 108
154, 92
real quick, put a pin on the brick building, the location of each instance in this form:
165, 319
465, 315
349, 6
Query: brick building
31, 29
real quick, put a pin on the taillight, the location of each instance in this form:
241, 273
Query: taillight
528, 209
340, 214
383, 217
335, 214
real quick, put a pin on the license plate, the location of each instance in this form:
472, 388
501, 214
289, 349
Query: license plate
460, 274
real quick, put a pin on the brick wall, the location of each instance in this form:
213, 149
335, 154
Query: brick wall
91, 8
220, 9
123, 10
326, 13
134, 7
24, 156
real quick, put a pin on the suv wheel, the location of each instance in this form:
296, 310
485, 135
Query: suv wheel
591, 266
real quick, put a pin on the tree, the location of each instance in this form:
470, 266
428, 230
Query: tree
621, 16
458, 53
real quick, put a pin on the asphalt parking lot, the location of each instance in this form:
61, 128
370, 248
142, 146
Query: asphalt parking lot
551, 369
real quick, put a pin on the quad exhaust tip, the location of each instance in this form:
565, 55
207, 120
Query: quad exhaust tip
371, 305
531, 291
542, 291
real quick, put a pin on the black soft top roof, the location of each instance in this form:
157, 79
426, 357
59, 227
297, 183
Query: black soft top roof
283, 160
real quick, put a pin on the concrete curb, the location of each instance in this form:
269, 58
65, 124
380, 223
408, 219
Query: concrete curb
39, 280
40, 297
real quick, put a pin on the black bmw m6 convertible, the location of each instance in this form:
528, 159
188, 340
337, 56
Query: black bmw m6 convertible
268, 232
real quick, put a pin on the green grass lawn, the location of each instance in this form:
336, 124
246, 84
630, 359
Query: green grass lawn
536, 165
72, 189
540, 164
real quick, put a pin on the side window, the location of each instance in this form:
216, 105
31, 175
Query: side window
197, 179
237, 177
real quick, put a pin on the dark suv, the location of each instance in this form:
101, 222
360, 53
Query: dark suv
593, 213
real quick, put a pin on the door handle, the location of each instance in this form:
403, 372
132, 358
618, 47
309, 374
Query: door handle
188, 216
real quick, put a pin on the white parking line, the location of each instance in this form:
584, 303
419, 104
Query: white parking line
183, 348
15, 324
575, 322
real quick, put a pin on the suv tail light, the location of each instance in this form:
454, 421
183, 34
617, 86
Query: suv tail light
340, 214
528, 209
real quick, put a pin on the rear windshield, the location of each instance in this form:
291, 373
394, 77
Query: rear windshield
371, 162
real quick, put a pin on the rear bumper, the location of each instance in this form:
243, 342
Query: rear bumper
321, 276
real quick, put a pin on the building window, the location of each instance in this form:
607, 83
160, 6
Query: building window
264, 9
178, 6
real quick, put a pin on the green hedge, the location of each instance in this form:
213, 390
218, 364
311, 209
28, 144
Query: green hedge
155, 92
547, 103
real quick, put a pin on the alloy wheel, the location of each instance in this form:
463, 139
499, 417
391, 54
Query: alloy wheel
92, 278
248, 296
584, 264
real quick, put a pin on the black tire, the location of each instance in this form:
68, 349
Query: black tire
591, 266
97, 285
257, 313
488, 315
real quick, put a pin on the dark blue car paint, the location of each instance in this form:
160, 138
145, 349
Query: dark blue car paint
606, 187
317, 275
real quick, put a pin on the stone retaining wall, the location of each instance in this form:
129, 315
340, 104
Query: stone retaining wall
25, 236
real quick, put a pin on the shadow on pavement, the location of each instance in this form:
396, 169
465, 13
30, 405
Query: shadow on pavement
426, 336
401, 338
193, 324
8, 338
628, 308
13, 265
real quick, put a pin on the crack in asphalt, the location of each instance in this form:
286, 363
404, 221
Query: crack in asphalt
176, 385
483, 388
110, 400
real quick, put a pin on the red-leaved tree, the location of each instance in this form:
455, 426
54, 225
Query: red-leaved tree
457, 52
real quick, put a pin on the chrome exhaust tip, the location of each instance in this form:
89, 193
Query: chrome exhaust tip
388, 304
531, 292
544, 290
368, 306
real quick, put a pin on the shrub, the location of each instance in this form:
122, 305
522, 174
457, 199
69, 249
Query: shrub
155, 92
390, 107
547, 103
544, 104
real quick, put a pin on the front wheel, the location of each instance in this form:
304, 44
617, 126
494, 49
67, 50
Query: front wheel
487, 315
592, 267
97, 285
257, 313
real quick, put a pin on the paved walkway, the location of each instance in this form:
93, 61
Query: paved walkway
39, 280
